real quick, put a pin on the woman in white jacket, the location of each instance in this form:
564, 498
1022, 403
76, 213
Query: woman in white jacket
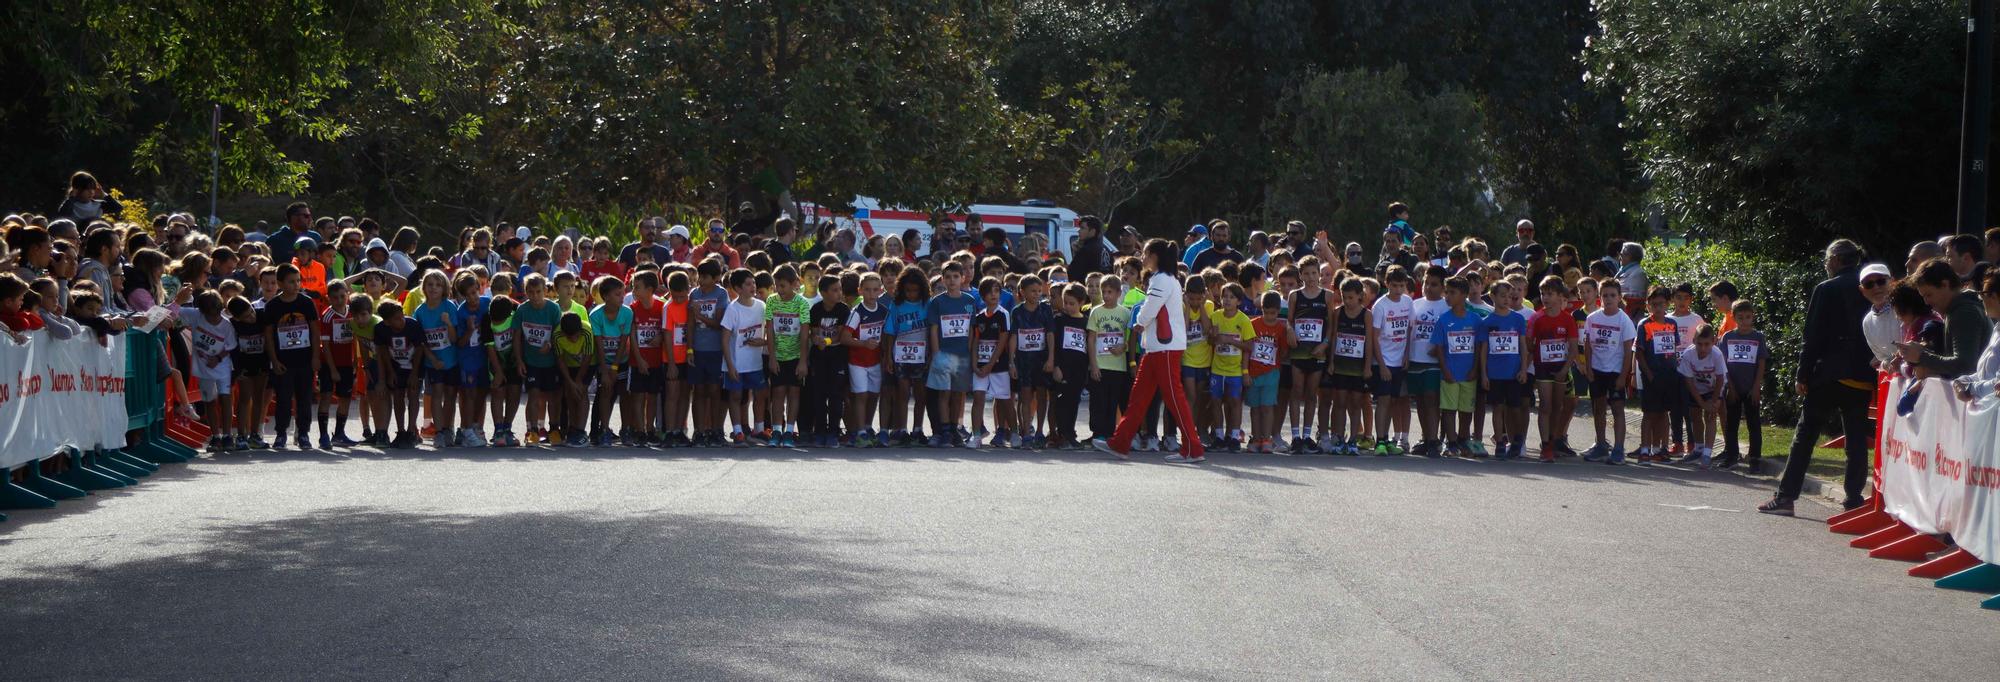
1161, 327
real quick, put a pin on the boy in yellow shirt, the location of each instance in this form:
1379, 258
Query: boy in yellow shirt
1233, 335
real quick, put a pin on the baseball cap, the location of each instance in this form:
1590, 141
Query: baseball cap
1873, 269
1199, 229
523, 233
305, 243
678, 231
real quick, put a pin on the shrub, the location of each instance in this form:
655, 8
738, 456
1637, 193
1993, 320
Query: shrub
1780, 287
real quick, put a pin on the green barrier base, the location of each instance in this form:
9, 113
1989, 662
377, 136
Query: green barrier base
152, 452
82, 475
16, 497
1991, 603
49, 487
96, 461
1981, 578
124, 463
179, 449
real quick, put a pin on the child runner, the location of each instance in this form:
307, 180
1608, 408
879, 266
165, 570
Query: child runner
951, 370
1703, 371
1310, 317
1610, 334
1423, 367
1659, 345
474, 375
742, 334
576, 351
1351, 355
1552, 338
993, 343
862, 335
785, 313
1747, 353
501, 339
909, 326
289, 328
1031, 352
1503, 374
1196, 360
214, 339
535, 356
1393, 315
1265, 352
1456, 339
400, 373
827, 360
1110, 379
678, 323
336, 367
707, 303
436, 316
1233, 335
648, 374
1069, 365
611, 324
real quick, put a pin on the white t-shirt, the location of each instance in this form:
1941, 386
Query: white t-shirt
1706, 372
747, 321
1686, 324
1393, 321
1424, 316
208, 340
1609, 337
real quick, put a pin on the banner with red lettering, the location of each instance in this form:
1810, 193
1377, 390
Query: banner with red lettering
57, 393
1941, 467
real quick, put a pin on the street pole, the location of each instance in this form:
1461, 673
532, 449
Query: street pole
1976, 128
215, 165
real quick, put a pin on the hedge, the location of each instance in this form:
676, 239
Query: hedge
1779, 287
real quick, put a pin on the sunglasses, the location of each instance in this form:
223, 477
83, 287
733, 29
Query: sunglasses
1875, 283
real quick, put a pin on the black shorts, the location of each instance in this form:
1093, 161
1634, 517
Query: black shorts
1345, 382
252, 365
652, 380
1396, 387
1605, 385
506, 375
336, 380
787, 374
398, 379
1028, 374
1309, 365
544, 378
1579, 383
1660, 397
620, 375
1504, 393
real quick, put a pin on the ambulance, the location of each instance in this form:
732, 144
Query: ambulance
867, 217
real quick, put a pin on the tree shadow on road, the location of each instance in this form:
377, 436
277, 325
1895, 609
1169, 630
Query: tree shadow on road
381, 594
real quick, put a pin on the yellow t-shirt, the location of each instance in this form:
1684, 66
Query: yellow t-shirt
1199, 354
1229, 360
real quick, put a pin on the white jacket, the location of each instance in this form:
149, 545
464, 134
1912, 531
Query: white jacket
1163, 309
1882, 329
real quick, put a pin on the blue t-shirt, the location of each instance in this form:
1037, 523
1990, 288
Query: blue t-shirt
1403, 229
611, 329
436, 317
700, 302
907, 322
953, 317
1457, 337
1032, 319
471, 334
1505, 337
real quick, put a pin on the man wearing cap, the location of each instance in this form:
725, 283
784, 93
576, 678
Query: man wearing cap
680, 243
649, 235
717, 243
298, 223
1197, 239
1880, 326
1834, 375
1524, 233
748, 222
1219, 250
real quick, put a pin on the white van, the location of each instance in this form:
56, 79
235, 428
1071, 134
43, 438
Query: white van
868, 217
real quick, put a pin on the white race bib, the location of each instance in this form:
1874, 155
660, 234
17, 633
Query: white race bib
1664, 342
1310, 330
1459, 342
1742, 352
1503, 343
400, 351
680, 336
785, 324
1073, 339
707, 307
1264, 351
433, 337
503, 340
1398, 327
340, 331
1227, 350
987, 349
1195, 334
1030, 341
646, 337
1554, 350
205, 343
1350, 345
252, 345
871, 331
294, 337
610, 344
1107, 341
911, 352
537, 335
954, 326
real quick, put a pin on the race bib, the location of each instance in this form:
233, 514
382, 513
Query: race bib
1742, 352
1503, 343
1195, 334
503, 341
1398, 327
1554, 350
537, 335
646, 337
1350, 345
205, 342
400, 351
1425, 330
1264, 351
1108, 341
341, 332
1310, 330
954, 326
1072, 339
1227, 350
435, 338
1458, 342
1030, 340
871, 331
294, 337
707, 308
610, 345
472, 335
252, 345
986, 351
1603, 338
1664, 343
911, 352
785, 324
680, 336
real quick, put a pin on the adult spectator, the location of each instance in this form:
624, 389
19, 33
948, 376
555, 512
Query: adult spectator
750, 223
975, 232
716, 244
348, 256
298, 223
1881, 326
1524, 237
403, 253
649, 236
783, 233
1258, 248
1198, 242
1965, 251
1091, 253
1966, 329
1220, 249
1399, 220
1538, 267
86, 201
679, 243
31, 247
1992, 245
995, 245
1353, 260
1301, 245
1128, 242
100, 254
1834, 376
913, 244
481, 253
1393, 252
1919, 253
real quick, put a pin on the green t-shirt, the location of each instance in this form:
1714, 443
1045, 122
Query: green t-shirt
536, 327
580, 351
787, 319
1114, 320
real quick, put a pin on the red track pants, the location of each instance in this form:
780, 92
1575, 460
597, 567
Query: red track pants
1158, 371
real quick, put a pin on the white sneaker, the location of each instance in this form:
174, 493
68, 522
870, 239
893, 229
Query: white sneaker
1148, 444
472, 439
1017, 441
1104, 446
1168, 444
1176, 458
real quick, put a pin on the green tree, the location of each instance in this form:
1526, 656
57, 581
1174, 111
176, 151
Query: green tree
1352, 141
1117, 144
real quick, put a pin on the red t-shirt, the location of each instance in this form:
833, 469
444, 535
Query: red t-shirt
1264, 359
590, 270
339, 337
22, 320
676, 321
1551, 336
646, 330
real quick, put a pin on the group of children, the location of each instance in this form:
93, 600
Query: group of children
833, 354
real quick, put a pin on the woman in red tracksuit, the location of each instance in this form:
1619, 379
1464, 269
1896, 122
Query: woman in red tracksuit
1161, 327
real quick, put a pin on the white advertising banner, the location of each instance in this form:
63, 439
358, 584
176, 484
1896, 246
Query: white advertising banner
1941, 466
56, 393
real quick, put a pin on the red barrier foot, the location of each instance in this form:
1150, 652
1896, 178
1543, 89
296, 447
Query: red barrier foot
1952, 562
1852, 514
1837, 443
1913, 548
1882, 537
1864, 524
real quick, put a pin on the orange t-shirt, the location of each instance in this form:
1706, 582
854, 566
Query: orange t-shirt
1269, 348
677, 321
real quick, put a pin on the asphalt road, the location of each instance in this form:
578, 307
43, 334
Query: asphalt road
585, 564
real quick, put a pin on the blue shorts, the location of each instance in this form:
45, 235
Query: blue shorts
1263, 391
950, 372
441, 378
1225, 387
474, 375
1196, 373
745, 381
705, 368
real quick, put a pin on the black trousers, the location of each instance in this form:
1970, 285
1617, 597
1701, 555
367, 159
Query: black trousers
293, 390
1064, 396
1107, 399
1823, 403
822, 406
1737, 407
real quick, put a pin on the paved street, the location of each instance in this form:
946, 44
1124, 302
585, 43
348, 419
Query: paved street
584, 564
